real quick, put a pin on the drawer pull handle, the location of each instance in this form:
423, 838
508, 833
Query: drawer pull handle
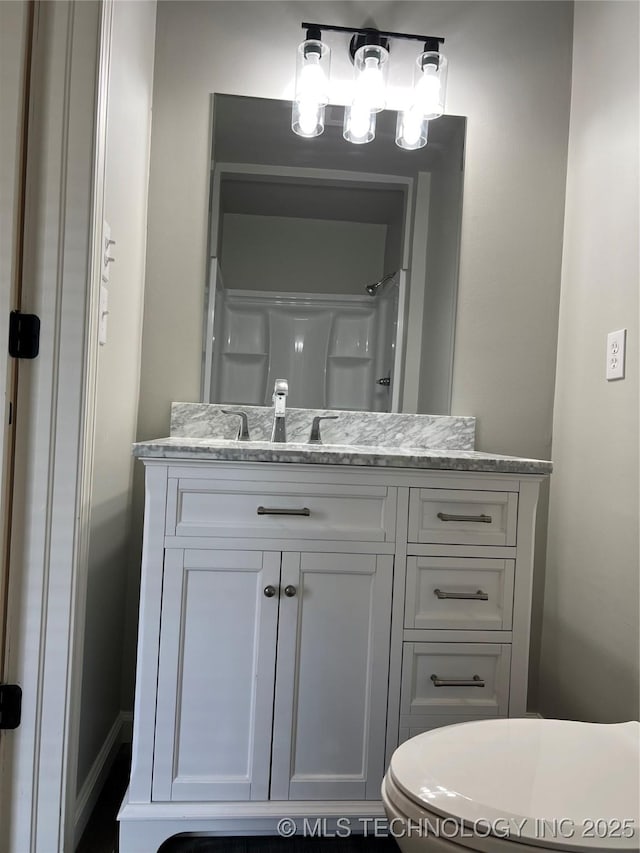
476, 681
270, 591
483, 519
276, 510
471, 596
290, 591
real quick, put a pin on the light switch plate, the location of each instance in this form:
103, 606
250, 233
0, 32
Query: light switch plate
616, 346
107, 257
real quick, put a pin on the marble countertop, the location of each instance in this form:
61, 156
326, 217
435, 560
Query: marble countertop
224, 450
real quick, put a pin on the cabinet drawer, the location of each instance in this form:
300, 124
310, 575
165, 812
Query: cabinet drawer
459, 592
228, 508
454, 678
457, 516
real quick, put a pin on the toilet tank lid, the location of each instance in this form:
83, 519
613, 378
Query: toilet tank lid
556, 783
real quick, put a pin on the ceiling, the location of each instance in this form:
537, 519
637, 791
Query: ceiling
311, 200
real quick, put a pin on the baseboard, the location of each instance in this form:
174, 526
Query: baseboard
534, 715
126, 733
119, 733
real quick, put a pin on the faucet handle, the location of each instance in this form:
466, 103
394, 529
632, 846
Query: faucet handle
243, 426
315, 437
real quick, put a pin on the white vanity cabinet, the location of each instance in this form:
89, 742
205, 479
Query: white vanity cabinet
272, 677
298, 621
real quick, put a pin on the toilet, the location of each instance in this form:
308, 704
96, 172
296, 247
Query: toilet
516, 786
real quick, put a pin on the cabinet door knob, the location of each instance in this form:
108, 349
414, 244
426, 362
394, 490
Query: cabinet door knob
269, 591
290, 591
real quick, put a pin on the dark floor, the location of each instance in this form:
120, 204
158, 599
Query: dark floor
101, 834
273, 844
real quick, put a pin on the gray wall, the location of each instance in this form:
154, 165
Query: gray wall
589, 667
126, 179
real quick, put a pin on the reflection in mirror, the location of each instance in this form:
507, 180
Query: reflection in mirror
331, 265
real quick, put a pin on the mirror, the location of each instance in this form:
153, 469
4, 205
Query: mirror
331, 265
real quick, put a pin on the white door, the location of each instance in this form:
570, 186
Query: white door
216, 675
331, 680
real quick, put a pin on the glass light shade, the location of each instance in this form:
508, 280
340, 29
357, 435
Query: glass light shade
430, 83
312, 72
411, 129
312, 88
371, 67
307, 119
359, 124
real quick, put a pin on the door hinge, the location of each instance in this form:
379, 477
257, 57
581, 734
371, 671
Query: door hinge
10, 706
24, 335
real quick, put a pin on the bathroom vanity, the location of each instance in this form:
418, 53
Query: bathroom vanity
305, 609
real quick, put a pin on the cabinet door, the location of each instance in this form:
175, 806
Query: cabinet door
331, 680
216, 675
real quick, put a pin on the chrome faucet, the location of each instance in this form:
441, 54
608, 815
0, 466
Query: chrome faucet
243, 424
280, 391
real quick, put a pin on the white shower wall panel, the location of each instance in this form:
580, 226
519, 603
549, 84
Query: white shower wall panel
325, 346
299, 341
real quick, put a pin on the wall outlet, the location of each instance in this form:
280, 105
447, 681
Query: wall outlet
616, 346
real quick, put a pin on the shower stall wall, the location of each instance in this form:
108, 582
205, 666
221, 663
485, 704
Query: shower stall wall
336, 351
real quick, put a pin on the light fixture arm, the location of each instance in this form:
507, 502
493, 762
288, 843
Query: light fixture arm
430, 42
370, 38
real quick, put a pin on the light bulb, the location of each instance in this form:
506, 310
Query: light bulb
411, 126
307, 119
313, 84
370, 64
428, 90
360, 121
359, 124
370, 85
411, 129
430, 83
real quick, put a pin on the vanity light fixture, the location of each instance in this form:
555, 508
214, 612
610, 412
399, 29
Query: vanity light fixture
369, 51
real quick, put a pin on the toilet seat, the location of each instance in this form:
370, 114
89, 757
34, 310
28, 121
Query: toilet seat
511, 775
400, 810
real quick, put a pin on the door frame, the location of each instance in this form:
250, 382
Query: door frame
17, 28
56, 406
